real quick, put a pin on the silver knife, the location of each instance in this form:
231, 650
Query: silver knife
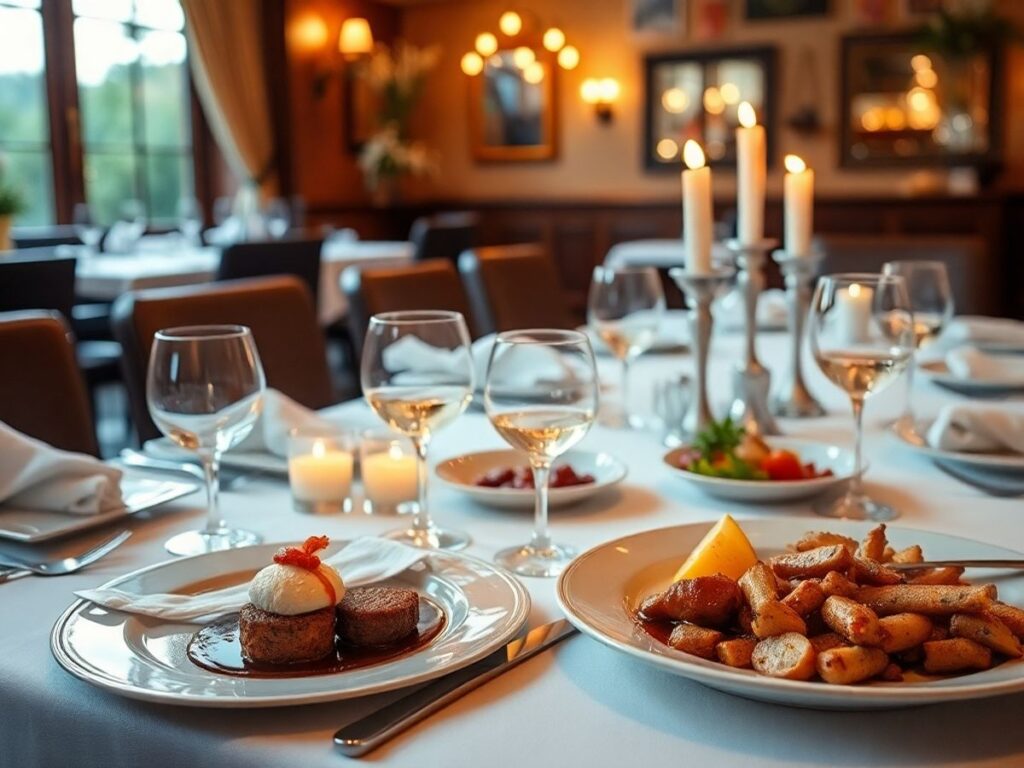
10, 574
368, 733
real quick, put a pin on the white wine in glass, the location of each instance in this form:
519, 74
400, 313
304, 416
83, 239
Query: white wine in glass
931, 301
625, 308
417, 376
543, 421
205, 389
862, 338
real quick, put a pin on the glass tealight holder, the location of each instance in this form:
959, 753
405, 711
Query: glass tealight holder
387, 466
320, 471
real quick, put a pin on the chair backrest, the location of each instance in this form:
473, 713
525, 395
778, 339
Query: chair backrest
514, 286
443, 235
273, 257
430, 284
42, 392
966, 259
279, 310
37, 283
40, 237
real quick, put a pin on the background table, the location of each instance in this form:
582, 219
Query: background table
580, 705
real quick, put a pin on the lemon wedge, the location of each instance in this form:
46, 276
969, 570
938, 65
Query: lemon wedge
724, 549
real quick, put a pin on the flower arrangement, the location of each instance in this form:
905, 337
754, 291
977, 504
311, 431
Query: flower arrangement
397, 78
12, 202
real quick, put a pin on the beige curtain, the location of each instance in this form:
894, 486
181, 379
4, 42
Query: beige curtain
226, 50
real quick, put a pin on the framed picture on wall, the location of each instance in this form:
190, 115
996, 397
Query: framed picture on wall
657, 17
783, 9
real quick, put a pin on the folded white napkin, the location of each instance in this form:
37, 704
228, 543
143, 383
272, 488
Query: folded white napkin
363, 561
979, 428
34, 475
280, 415
772, 310
971, 363
979, 330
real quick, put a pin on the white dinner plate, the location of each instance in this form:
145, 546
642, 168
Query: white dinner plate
460, 473
916, 442
31, 526
244, 461
937, 372
145, 658
825, 456
601, 589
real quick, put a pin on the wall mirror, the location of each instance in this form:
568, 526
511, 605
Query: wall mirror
697, 95
903, 104
512, 109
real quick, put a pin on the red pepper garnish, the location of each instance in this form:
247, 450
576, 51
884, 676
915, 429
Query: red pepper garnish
304, 556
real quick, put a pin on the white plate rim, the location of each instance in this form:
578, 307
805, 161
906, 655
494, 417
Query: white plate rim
516, 622
1001, 460
860, 696
931, 370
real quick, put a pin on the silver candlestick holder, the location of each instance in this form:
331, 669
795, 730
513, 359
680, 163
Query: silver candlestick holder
751, 380
700, 290
795, 401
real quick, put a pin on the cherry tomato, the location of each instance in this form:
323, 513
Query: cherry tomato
783, 465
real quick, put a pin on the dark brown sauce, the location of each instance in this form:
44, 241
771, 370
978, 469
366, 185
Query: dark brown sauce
659, 630
216, 647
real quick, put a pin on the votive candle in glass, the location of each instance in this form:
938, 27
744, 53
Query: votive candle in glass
320, 472
387, 465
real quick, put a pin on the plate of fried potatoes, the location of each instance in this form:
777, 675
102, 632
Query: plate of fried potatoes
824, 618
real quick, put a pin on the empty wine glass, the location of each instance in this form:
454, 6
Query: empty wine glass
862, 337
204, 390
278, 217
624, 309
87, 228
931, 300
541, 397
190, 220
417, 375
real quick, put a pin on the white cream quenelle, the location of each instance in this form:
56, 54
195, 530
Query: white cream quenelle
289, 590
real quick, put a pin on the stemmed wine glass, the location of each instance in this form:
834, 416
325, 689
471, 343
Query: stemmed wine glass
278, 217
625, 308
205, 391
931, 300
87, 228
544, 418
190, 220
417, 375
862, 337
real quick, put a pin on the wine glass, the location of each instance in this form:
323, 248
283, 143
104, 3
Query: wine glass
87, 228
931, 300
205, 390
862, 338
190, 220
278, 217
417, 375
541, 397
624, 309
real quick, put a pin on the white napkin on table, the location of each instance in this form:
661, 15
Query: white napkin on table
363, 561
37, 476
280, 415
971, 363
979, 428
976, 330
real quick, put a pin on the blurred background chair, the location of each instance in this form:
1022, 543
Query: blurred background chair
274, 257
444, 235
513, 286
42, 392
279, 310
430, 284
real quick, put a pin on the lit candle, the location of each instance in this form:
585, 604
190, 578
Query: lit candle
697, 220
751, 170
798, 194
324, 474
853, 310
389, 477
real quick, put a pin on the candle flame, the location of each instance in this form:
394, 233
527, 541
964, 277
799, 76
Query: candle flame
395, 451
319, 449
855, 290
747, 116
795, 164
693, 155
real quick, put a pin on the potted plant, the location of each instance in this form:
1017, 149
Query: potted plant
12, 202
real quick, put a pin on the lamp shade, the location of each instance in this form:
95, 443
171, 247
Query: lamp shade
355, 39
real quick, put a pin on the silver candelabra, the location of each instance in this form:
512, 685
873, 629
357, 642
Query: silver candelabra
795, 400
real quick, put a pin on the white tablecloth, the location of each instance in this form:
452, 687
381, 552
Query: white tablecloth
580, 705
664, 254
105, 277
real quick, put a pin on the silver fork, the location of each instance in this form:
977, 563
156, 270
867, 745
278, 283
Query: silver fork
66, 565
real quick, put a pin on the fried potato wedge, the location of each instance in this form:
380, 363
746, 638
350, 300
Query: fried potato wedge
790, 656
851, 664
904, 631
811, 563
855, 622
929, 599
955, 655
988, 630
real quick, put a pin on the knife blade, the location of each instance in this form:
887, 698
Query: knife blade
368, 733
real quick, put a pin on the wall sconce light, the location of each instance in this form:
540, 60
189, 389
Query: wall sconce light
355, 41
602, 94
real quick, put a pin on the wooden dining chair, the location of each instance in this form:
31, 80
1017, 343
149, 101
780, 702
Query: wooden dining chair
443, 235
274, 257
42, 392
514, 286
430, 284
279, 310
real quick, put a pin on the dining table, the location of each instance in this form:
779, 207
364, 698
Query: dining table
105, 276
578, 704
